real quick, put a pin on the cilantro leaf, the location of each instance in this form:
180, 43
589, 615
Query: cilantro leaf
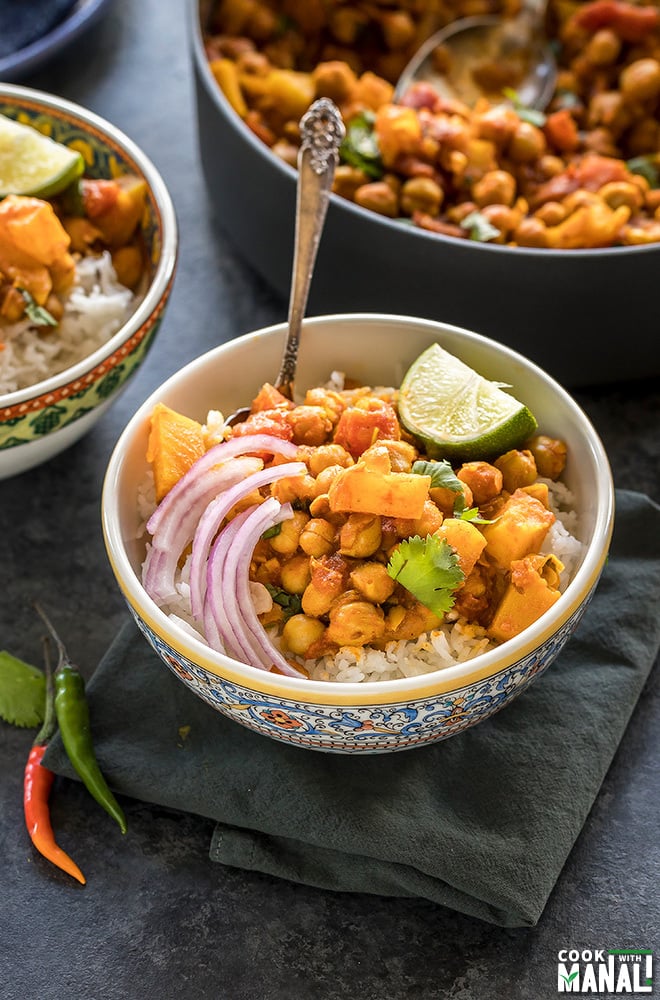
530, 115
360, 147
274, 529
472, 514
428, 568
479, 227
22, 692
36, 313
291, 604
646, 166
442, 475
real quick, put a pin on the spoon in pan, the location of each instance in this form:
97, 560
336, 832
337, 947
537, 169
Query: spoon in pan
486, 57
322, 131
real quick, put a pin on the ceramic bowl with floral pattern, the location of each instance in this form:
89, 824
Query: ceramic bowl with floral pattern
375, 716
39, 421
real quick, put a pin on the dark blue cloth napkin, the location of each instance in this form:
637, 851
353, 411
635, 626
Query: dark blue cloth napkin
482, 822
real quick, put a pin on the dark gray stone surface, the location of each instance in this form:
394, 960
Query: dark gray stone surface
157, 918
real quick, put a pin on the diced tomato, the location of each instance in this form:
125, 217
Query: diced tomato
630, 22
561, 131
269, 398
359, 428
99, 197
589, 175
266, 422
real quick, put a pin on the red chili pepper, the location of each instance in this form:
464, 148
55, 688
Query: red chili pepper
630, 22
37, 783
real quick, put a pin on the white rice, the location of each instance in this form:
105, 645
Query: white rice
455, 641
96, 308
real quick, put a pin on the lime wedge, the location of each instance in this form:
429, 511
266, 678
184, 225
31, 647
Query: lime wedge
457, 414
33, 164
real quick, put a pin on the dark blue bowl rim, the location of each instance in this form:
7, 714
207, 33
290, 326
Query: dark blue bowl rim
32, 56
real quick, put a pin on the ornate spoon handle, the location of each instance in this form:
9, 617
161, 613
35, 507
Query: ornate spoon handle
322, 133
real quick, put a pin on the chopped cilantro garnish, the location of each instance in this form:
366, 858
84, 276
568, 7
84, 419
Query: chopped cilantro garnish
530, 115
291, 604
479, 227
36, 313
646, 166
272, 531
472, 514
360, 147
428, 568
442, 475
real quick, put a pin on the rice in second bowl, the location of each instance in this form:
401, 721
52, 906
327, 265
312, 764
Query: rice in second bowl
96, 308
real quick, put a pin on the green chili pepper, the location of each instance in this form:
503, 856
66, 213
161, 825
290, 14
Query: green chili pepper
72, 713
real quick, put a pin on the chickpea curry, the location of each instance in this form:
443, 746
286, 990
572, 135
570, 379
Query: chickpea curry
380, 544
585, 174
41, 239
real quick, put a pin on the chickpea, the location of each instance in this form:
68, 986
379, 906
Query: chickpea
12, 304
360, 536
346, 23
331, 401
378, 197
608, 110
316, 602
643, 137
347, 180
286, 151
429, 522
603, 48
286, 542
459, 212
484, 479
497, 187
355, 622
599, 140
300, 632
310, 424
550, 165
294, 488
55, 306
421, 194
531, 233
618, 193
335, 80
445, 498
329, 456
640, 81
527, 144
317, 537
326, 477
398, 29
295, 574
518, 469
372, 581
549, 455
551, 214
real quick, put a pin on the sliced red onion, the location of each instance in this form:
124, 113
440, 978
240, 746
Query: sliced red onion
237, 577
222, 595
173, 532
213, 517
248, 444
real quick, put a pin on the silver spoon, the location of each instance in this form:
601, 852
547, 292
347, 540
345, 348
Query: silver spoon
322, 131
501, 41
